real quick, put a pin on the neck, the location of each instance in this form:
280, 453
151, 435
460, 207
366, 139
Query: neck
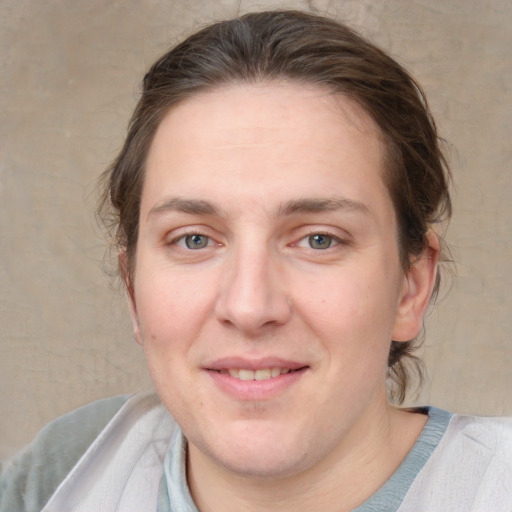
349, 475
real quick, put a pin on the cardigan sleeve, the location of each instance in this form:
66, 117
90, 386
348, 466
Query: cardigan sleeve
29, 480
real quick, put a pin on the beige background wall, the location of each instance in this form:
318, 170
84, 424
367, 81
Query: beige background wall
69, 74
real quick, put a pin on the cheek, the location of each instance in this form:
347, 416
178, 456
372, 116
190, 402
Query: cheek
349, 298
170, 307
353, 313
168, 313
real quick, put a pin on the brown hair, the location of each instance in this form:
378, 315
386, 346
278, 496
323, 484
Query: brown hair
306, 48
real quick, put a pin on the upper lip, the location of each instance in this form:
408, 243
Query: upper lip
242, 363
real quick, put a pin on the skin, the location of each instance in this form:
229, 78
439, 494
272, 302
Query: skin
294, 262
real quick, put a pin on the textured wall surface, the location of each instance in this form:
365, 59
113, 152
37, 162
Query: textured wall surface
69, 75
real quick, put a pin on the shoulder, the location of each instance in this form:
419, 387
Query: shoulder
31, 478
471, 468
493, 435
478, 453
484, 438
122, 468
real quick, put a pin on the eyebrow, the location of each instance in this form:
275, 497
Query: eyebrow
319, 205
190, 206
295, 206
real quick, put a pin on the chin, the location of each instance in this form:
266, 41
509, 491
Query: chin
258, 453
264, 465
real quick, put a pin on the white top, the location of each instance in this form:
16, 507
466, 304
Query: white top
459, 464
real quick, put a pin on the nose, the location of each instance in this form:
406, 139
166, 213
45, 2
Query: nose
253, 296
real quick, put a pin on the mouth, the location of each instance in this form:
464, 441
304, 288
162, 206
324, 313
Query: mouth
261, 374
257, 379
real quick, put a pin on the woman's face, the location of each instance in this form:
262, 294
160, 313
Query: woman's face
267, 282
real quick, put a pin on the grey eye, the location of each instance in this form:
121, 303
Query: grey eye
196, 241
320, 241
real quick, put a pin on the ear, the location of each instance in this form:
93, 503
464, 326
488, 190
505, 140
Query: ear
130, 294
416, 291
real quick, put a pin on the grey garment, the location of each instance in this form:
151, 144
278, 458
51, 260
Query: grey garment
459, 463
30, 479
174, 494
122, 468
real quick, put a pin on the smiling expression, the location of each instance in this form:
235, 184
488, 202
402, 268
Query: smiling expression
267, 282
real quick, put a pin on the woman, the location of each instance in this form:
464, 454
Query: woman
274, 206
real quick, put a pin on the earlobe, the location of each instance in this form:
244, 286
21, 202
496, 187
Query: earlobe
130, 294
416, 292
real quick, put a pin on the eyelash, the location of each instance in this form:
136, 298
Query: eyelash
181, 241
183, 238
333, 240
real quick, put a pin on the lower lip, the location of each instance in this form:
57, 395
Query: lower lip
255, 389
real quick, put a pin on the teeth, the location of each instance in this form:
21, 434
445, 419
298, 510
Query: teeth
275, 372
246, 375
263, 374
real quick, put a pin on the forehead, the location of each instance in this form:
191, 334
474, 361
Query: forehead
265, 138
271, 105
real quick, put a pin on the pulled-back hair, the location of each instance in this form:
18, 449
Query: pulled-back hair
301, 48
